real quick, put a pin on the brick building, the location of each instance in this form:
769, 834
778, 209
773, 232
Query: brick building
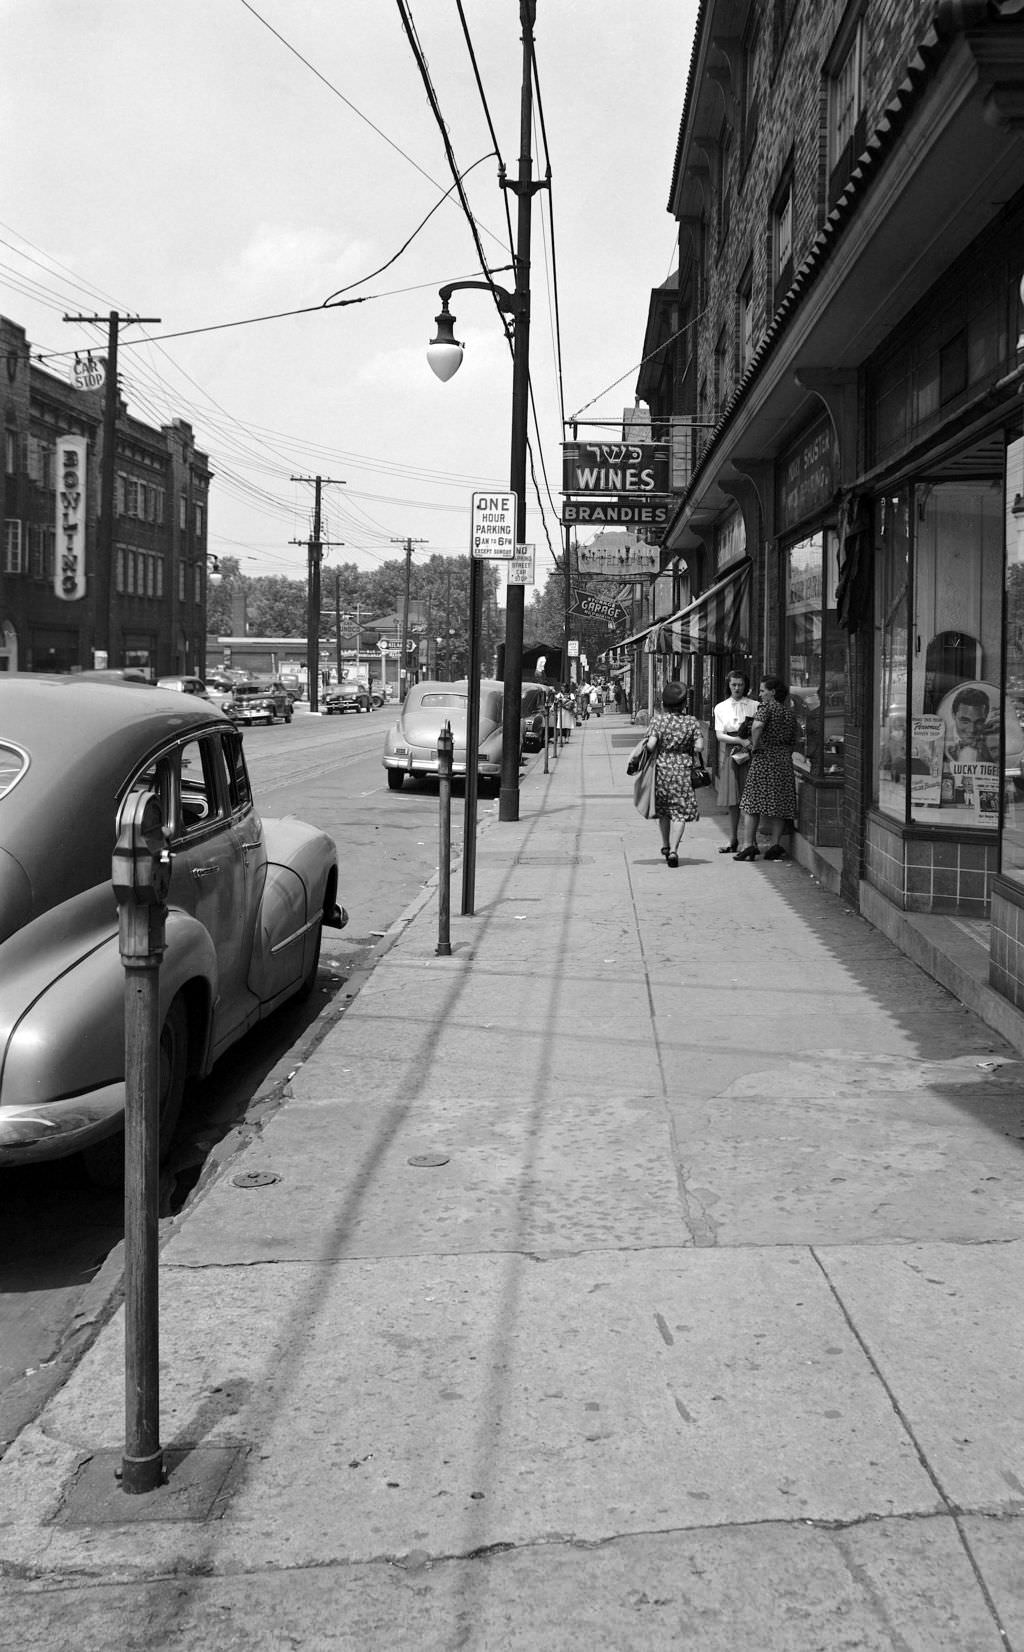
58, 605
839, 367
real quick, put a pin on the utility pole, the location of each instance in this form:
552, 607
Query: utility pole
316, 556
408, 543
523, 188
104, 590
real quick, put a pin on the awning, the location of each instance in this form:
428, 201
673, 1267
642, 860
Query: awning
716, 622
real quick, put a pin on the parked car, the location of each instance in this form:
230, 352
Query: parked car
293, 688
247, 903
258, 703
535, 699
185, 685
347, 696
411, 743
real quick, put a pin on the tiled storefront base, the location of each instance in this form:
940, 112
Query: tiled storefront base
820, 804
1006, 963
928, 873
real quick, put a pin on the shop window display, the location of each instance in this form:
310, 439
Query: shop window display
940, 710
815, 654
1013, 757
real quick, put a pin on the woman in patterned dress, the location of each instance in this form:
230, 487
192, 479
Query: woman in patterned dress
770, 790
674, 736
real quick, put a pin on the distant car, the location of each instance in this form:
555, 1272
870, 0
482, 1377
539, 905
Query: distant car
293, 688
411, 744
185, 685
258, 703
341, 697
247, 903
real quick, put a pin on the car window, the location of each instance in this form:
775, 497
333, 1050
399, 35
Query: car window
442, 699
13, 764
200, 794
239, 789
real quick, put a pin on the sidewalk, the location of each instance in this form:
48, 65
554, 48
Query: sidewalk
647, 1274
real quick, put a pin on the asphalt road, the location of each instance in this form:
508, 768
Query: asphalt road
60, 1237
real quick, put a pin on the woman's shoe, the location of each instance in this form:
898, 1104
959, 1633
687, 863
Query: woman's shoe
747, 854
665, 850
729, 848
776, 852
672, 859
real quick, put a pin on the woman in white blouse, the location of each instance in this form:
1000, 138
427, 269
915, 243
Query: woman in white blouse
733, 752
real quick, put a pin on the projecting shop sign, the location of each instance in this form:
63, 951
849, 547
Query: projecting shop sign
69, 562
493, 538
615, 467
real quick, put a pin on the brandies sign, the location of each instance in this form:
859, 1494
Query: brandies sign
631, 512
69, 562
615, 467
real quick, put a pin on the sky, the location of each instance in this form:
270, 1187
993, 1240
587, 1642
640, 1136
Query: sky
213, 162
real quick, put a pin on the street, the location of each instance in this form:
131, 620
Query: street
57, 1231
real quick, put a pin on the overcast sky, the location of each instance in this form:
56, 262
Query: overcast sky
177, 158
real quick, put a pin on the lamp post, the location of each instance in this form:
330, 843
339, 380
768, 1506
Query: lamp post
444, 354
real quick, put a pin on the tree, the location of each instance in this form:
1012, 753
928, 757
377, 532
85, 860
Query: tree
277, 607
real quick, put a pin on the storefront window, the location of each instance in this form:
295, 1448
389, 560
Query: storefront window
1013, 757
815, 654
940, 732
892, 537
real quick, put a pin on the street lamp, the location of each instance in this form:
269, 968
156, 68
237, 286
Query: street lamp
444, 353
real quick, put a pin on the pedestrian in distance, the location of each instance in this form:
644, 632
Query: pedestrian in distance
732, 717
769, 792
673, 736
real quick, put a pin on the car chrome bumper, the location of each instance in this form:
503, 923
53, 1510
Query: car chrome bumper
30, 1134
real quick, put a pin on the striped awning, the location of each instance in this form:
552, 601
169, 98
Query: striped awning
716, 622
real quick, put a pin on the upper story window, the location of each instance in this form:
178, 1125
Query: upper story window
721, 373
749, 105
844, 69
13, 558
782, 235
11, 452
724, 185
745, 317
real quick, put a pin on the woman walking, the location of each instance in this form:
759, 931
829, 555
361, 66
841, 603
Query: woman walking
673, 736
770, 790
733, 752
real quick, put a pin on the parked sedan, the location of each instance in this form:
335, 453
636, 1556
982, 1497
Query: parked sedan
341, 697
411, 744
247, 903
258, 703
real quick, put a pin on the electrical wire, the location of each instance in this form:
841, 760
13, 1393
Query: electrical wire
435, 108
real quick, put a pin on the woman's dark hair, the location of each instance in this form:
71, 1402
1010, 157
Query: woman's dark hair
778, 687
673, 695
739, 676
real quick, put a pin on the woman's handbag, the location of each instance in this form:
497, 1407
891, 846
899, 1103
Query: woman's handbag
642, 765
699, 775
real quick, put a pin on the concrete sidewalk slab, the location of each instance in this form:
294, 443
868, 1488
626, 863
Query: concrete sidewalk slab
703, 1335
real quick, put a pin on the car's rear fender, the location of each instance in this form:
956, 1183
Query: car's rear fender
299, 896
62, 1018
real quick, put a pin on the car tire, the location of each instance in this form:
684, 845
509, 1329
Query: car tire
395, 778
288, 716
104, 1160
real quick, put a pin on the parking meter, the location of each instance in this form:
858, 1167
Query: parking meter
141, 876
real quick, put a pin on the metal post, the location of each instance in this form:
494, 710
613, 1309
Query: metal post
472, 739
141, 874
508, 806
445, 748
547, 710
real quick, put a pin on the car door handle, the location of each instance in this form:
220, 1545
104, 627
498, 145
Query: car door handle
199, 872
250, 848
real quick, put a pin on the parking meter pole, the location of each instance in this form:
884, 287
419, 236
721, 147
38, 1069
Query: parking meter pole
141, 877
445, 748
547, 734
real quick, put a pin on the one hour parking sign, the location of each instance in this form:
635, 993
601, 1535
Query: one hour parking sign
494, 526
